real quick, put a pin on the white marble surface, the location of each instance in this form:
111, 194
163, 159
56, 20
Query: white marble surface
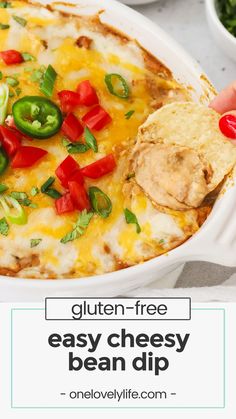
185, 20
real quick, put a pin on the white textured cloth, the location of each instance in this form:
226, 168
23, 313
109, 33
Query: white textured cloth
225, 292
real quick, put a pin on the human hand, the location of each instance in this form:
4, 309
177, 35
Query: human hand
225, 103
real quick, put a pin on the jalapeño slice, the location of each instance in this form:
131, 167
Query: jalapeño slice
37, 116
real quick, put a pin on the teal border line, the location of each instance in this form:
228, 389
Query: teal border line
117, 407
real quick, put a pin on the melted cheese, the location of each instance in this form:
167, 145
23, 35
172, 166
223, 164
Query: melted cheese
108, 243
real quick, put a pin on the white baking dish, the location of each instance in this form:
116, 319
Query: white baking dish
216, 240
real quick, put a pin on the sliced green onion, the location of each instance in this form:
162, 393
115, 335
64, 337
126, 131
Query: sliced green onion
101, 203
34, 191
4, 227
45, 188
4, 95
90, 140
5, 4
20, 20
12, 81
36, 76
49, 79
23, 199
4, 26
35, 242
131, 218
48, 183
129, 114
13, 211
117, 85
28, 57
3, 188
1, 75
20, 196
53, 193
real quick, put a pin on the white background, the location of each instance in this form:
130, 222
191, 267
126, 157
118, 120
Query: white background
41, 373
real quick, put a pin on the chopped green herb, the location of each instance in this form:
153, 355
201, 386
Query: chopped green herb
34, 191
18, 91
75, 148
35, 242
12, 81
3, 188
90, 140
28, 57
11, 94
1, 75
48, 81
131, 218
20, 20
45, 188
79, 227
4, 26
162, 241
5, 5
4, 227
65, 142
130, 176
129, 114
101, 203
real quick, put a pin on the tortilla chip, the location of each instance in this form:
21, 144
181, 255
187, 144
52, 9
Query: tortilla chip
195, 126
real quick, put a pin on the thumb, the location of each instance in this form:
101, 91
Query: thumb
226, 100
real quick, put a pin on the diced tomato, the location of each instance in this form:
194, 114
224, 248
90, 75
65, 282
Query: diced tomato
77, 177
100, 167
64, 204
9, 121
69, 100
72, 127
66, 170
87, 94
10, 140
97, 118
79, 196
27, 156
11, 56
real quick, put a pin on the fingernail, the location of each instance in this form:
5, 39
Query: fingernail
227, 125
